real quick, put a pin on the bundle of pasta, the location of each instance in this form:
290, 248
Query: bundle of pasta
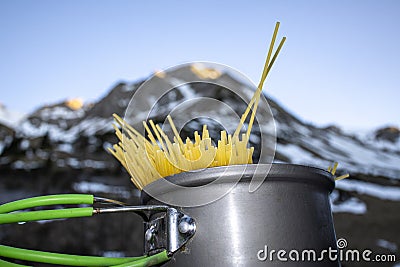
147, 161
154, 157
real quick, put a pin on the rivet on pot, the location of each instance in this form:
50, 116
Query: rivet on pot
186, 225
149, 234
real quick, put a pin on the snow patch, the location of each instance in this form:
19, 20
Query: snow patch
55, 113
93, 187
19, 164
27, 129
67, 148
184, 88
78, 164
351, 205
88, 127
95, 125
10, 118
364, 188
113, 254
128, 87
298, 155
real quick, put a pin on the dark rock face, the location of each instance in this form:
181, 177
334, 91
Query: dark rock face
391, 134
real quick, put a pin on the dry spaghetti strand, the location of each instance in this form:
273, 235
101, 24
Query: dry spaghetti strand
256, 97
332, 170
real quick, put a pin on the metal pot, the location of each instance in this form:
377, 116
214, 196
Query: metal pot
289, 211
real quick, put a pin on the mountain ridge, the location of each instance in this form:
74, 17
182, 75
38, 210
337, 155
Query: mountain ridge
59, 146
88, 128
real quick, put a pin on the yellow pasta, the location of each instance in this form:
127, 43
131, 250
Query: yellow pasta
332, 170
151, 157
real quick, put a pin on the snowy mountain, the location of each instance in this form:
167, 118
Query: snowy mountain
70, 136
69, 133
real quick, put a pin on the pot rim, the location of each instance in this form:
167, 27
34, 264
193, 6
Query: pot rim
276, 172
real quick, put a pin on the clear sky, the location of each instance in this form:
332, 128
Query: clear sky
340, 64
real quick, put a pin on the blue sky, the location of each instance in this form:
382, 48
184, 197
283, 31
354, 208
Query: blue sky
340, 64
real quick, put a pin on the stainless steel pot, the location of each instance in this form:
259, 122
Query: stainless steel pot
290, 211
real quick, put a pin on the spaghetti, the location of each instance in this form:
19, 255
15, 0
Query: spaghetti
154, 157
332, 170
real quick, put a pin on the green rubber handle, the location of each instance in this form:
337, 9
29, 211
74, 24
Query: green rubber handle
57, 258
75, 260
62, 199
45, 215
10, 264
155, 259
